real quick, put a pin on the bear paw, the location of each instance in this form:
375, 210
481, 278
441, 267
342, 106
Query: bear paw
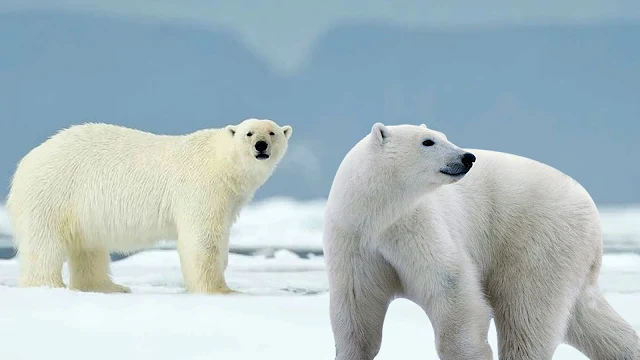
106, 288
219, 290
117, 288
230, 291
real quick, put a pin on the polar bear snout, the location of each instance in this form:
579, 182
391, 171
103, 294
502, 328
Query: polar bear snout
461, 167
468, 159
262, 148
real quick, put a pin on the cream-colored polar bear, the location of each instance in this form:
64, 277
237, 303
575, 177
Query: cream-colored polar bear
96, 188
513, 239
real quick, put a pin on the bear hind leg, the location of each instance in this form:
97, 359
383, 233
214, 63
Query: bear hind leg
41, 263
530, 316
596, 330
89, 272
526, 333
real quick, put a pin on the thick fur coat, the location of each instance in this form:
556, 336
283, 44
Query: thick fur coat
509, 238
95, 188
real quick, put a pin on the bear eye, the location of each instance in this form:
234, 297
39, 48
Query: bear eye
249, 133
428, 143
272, 133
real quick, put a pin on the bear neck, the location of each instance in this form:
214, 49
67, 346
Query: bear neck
384, 209
372, 207
247, 177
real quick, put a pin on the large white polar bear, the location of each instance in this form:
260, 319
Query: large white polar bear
513, 239
92, 189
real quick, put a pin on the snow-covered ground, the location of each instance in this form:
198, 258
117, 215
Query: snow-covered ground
290, 224
5, 226
282, 313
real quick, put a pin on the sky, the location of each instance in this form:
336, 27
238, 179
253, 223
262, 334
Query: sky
284, 31
556, 81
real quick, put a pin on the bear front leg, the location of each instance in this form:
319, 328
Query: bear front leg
89, 271
444, 284
362, 285
203, 254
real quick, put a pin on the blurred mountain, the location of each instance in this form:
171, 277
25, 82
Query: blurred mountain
565, 95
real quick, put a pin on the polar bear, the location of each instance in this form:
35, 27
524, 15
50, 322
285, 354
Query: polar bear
513, 239
97, 188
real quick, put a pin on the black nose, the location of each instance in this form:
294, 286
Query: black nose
468, 159
261, 146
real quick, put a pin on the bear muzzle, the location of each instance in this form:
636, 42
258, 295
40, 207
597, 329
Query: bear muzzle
460, 168
262, 150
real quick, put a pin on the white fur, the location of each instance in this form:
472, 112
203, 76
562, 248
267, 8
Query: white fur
513, 239
92, 189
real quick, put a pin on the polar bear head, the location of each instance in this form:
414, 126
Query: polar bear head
415, 155
260, 140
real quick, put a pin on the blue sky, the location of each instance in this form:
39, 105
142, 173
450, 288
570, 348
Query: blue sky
284, 31
563, 91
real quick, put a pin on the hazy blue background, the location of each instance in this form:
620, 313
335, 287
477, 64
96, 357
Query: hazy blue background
558, 81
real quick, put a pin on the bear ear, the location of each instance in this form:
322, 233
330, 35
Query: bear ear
231, 129
423, 125
288, 130
380, 132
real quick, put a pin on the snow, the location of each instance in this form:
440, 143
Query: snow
297, 225
292, 224
5, 226
281, 314
621, 227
